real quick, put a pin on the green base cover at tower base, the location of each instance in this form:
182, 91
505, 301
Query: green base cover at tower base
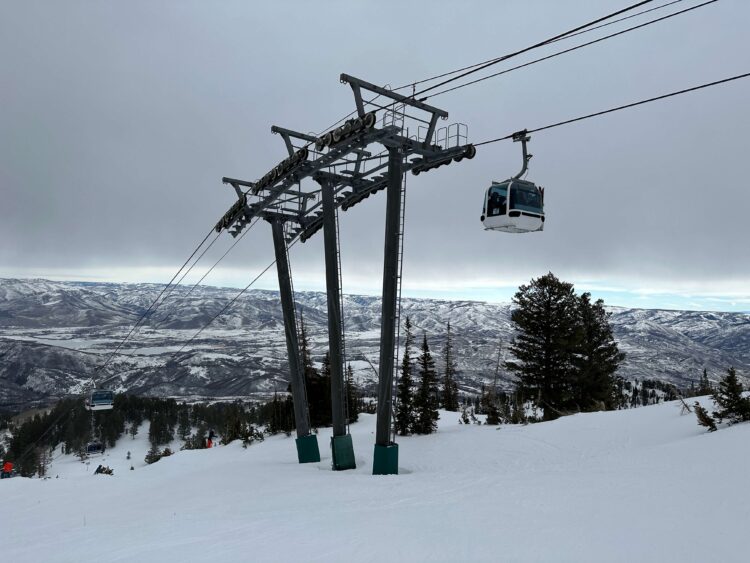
342, 451
307, 449
386, 460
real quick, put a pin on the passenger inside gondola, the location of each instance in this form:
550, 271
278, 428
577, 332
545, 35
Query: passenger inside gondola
526, 198
497, 200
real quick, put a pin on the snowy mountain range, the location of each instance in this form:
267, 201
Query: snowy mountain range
53, 335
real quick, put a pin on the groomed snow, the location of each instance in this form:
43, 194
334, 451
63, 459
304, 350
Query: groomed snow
639, 485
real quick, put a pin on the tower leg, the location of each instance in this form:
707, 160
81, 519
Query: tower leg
386, 451
307, 443
342, 449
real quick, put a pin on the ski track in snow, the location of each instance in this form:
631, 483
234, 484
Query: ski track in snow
643, 485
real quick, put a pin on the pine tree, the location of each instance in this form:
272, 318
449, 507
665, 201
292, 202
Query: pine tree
274, 423
490, 399
44, 460
505, 408
352, 395
548, 332
184, 429
704, 419
159, 431
489, 407
426, 400
635, 397
317, 385
597, 358
704, 387
728, 397
620, 401
450, 387
518, 411
319, 394
405, 416
136, 419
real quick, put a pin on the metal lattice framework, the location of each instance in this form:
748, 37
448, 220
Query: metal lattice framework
340, 157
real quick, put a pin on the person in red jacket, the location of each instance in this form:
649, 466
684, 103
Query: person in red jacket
7, 470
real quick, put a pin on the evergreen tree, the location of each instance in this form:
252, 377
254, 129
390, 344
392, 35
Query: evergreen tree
426, 400
704, 419
405, 416
450, 387
197, 441
307, 365
635, 397
274, 424
620, 400
319, 394
352, 395
111, 427
317, 384
235, 425
596, 361
704, 387
490, 399
489, 407
505, 408
644, 395
518, 410
280, 415
548, 333
728, 397
184, 428
159, 431
44, 459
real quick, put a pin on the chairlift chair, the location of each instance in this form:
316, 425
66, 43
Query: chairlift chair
514, 205
100, 400
95, 447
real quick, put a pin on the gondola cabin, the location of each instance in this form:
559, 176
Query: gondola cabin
513, 206
100, 400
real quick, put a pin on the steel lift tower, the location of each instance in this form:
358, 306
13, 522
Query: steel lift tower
346, 170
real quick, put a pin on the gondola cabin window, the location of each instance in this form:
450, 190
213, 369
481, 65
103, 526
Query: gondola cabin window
498, 200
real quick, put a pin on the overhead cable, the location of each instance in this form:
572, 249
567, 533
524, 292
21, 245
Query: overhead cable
153, 304
535, 46
582, 45
618, 108
481, 66
588, 30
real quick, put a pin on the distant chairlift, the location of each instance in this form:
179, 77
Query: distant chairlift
514, 205
100, 400
95, 447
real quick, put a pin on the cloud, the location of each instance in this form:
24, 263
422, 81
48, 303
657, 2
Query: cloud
119, 122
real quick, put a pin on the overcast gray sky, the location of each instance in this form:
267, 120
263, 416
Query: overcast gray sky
119, 119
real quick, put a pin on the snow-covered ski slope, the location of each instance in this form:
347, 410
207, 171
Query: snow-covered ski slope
639, 485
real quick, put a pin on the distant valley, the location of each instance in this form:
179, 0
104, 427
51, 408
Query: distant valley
53, 335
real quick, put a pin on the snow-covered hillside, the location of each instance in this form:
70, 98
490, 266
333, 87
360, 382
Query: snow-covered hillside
53, 333
640, 485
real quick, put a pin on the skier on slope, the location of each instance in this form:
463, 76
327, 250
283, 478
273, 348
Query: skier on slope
7, 471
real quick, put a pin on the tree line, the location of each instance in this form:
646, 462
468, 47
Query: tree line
318, 387
729, 398
71, 427
563, 354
